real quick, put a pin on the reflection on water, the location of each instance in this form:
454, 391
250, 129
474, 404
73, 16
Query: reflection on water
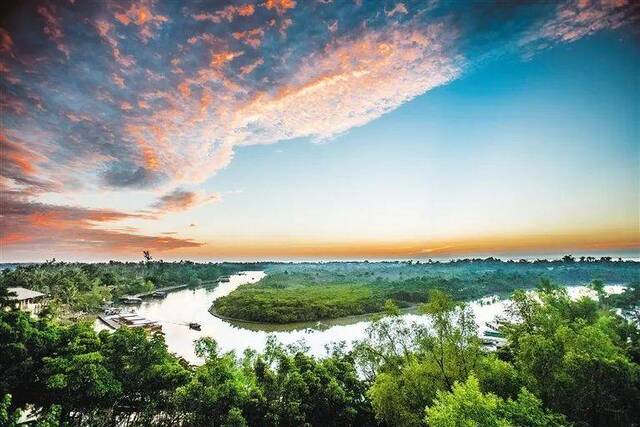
192, 305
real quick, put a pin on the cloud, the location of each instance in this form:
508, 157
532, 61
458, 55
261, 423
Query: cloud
40, 226
251, 37
398, 8
180, 199
6, 42
248, 69
227, 14
280, 6
53, 28
104, 29
325, 95
141, 14
576, 19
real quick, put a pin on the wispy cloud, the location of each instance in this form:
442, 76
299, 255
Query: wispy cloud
179, 200
575, 19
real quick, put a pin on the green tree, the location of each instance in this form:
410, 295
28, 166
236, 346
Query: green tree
467, 406
571, 355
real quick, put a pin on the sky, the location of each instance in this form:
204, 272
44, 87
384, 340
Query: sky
319, 129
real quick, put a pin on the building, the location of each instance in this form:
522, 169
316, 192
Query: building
27, 300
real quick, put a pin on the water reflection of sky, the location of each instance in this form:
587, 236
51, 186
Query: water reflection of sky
192, 305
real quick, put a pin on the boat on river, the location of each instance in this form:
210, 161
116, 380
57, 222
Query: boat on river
495, 334
131, 300
195, 326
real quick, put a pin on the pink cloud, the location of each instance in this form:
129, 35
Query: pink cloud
6, 42
53, 28
398, 8
104, 30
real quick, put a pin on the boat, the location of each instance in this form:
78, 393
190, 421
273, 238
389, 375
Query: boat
131, 300
493, 334
223, 279
159, 294
110, 311
194, 325
492, 325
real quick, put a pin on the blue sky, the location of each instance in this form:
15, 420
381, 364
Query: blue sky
510, 132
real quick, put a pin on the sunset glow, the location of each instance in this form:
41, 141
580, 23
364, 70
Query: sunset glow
318, 130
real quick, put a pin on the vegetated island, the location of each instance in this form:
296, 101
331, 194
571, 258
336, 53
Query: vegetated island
299, 292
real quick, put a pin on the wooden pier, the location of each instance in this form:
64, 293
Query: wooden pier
107, 320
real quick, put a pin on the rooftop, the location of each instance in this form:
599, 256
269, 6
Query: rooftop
24, 294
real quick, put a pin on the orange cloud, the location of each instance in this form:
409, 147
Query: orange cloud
141, 15
246, 10
218, 59
251, 37
248, 69
281, 6
227, 14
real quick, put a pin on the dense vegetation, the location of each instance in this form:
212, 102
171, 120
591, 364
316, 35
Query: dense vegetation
566, 363
311, 291
86, 287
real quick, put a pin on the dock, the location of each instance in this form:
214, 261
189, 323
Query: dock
130, 320
108, 320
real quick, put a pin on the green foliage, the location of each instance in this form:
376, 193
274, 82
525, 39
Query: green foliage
8, 418
571, 354
467, 406
398, 398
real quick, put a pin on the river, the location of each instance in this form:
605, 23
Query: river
192, 305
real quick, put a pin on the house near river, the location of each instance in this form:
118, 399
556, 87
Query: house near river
28, 300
